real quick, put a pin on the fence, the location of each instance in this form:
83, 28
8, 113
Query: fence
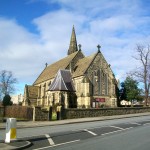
19, 112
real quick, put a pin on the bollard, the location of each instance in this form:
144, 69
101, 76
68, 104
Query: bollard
10, 130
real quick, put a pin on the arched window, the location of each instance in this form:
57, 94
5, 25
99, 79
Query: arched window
39, 92
99, 82
106, 84
92, 89
96, 83
49, 83
44, 89
94, 77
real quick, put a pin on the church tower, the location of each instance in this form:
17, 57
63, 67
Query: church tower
73, 43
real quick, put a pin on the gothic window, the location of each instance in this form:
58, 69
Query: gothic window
44, 89
93, 82
99, 82
40, 91
95, 78
46, 102
95, 73
96, 83
49, 83
106, 84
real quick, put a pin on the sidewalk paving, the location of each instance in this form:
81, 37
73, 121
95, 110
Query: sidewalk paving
18, 144
30, 124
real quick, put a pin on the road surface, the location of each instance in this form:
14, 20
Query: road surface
118, 134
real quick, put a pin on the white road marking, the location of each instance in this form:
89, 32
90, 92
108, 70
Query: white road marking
128, 128
111, 132
51, 142
58, 144
117, 127
116, 131
135, 123
90, 132
146, 124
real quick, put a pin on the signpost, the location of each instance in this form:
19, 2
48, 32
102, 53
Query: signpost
10, 130
97, 102
100, 99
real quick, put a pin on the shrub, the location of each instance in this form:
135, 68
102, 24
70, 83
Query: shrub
7, 100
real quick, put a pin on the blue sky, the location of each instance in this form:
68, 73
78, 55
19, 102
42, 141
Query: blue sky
33, 32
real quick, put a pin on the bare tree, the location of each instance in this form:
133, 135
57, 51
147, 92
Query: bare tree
7, 82
142, 73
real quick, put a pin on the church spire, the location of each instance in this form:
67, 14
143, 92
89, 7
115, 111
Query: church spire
73, 43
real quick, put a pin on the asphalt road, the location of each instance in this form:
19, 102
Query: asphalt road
119, 134
133, 139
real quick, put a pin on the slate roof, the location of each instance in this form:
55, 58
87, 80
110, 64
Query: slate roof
79, 69
62, 82
82, 65
50, 71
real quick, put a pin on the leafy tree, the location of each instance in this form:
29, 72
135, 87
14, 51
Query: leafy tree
7, 100
122, 92
7, 82
117, 95
132, 90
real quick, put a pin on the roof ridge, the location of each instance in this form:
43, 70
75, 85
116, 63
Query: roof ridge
39, 76
66, 61
86, 62
94, 55
64, 58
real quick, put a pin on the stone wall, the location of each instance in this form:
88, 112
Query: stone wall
83, 113
40, 114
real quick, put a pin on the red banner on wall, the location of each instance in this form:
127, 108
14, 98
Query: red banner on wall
100, 99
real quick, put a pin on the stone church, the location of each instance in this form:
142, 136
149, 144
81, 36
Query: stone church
90, 79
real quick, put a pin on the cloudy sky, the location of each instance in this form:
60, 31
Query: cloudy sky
35, 32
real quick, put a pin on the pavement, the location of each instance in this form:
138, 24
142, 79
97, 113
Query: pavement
14, 145
21, 144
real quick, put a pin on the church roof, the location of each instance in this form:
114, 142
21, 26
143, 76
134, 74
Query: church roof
79, 69
82, 65
62, 82
50, 71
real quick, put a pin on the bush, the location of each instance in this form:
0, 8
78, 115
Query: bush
7, 100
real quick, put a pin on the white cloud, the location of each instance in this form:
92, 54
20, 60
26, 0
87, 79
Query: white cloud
55, 30
116, 25
53, 24
19, 50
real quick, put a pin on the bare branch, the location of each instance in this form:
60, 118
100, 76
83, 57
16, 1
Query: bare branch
7, 82
143, 73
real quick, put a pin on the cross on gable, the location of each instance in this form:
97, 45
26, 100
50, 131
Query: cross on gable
79, 46
98, 46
